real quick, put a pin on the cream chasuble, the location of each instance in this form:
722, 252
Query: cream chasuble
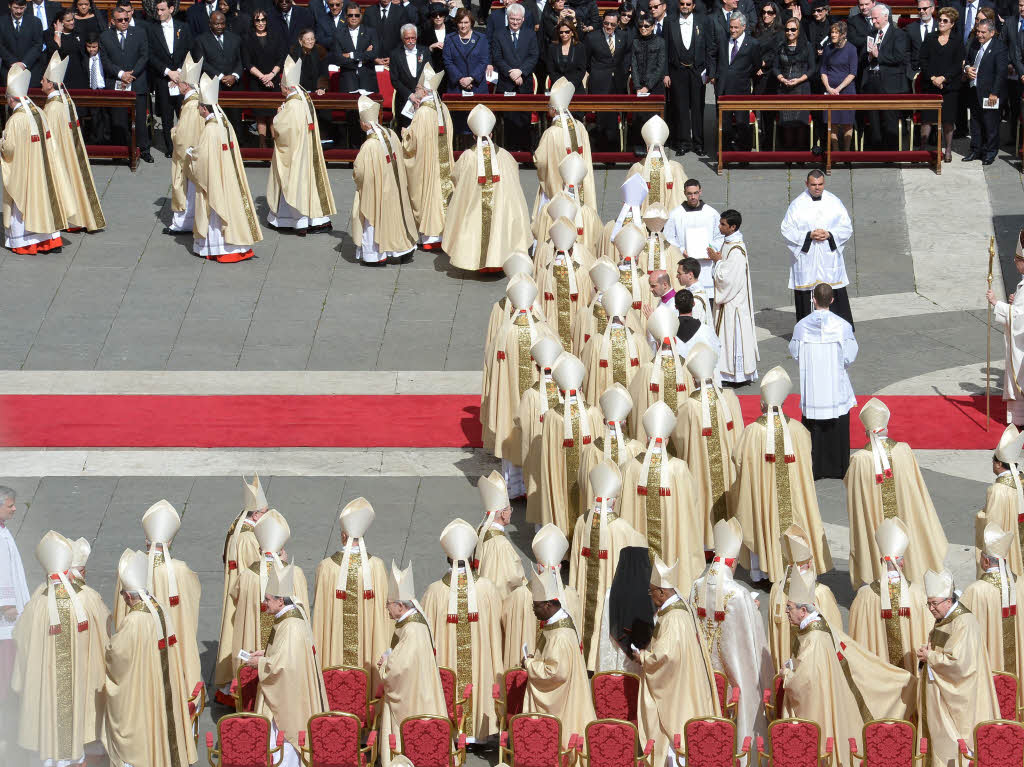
69, 147
297, 168
661, 254
708, 453
429, 162
1002, 635
903, 495
665, 179
669, 382
99, 621
529, 426
497, 560
594, 453
470, 645
253, 623
520, 626
513, 373
412, 684
291, 684
563, 283
612, 357
841, 686
560, 498
382, 198
147, 719
676, 680
487, 216
557, 682
350, 625
774, 492
593, 320
1003, 507
782, 636
895, 635
30, 178
241, 550
552, 149
956, 686
184, 134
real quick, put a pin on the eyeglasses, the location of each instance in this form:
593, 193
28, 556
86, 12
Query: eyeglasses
608, 24
258, 19
767, 12
645, 25
794, 30
353, 15
564, 32
943, 20
821, 10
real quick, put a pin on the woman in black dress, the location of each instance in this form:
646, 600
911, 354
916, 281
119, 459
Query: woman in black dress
566, 57
435, 26
648, 67
66, 39
942, 62
89, 19
794, 62
314, 62
627, 13
263, 53
767, 32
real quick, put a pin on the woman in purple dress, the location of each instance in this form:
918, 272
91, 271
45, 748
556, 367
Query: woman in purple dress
839, 76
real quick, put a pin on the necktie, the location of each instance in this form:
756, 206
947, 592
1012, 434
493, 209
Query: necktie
94, 73
969, 21
384, 15
515, 39
657, 30
17, 26
611, 44
735, 49
220, 41
120, 36
977, 63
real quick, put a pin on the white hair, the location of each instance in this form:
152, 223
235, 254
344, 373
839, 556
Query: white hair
883, 7
5, 493
740, 17
406, 28
515, 9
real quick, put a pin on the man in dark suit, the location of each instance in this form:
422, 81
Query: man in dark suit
986, 77
386, 19
737, 59
496, 19
607, 60
329, 24
198, 17
718, 17
124, 52
407, 62
918, 30
965, 28
291, 19
355, 48
859, 28
221, 50
46, 11
688, 43
888, 59
514, 54
169, 41
1013, 34
21, 39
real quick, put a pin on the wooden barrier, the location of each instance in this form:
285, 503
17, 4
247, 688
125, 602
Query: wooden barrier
538, 102
827, 104
106, 99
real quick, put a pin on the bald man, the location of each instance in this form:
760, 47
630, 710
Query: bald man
661, 289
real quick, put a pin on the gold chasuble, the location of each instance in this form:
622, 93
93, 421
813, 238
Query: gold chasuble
1002, 631
99, 619
564, 136
676, 680
241, 550
956, 682
497, 560
893, 634
80, 195
184, 134
253, 623
533, 406
521, 627
1003, 507
429, 163
782, 635
298, 172
291, 684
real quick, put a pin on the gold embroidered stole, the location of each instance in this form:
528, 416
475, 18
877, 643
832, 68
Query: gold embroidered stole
486, 204
893, 627
653, 506
1009, 627
82, 160
524, 371
350, 608
463, 645
59, 214
713, 453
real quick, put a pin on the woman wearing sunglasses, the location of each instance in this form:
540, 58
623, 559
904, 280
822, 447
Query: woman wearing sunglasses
435, 26
263, 52
794, 62
647, 68
565, 56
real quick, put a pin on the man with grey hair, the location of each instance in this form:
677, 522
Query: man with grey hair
738, 57
888, 57
514, 54
986, 69
13, 598
407, 62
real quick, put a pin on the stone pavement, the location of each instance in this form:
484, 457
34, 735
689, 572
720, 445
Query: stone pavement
133, 299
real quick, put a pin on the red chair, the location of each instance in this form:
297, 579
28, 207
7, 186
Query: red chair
774, 698
243, 741
535, 740
427, 742
616, 695
889, 743
334, 740
997, 743
1006, 693
508, 696
387, 91
728, 703
614, 743
456, 706
196, 706
710, 741
795, 743
244, 687
348, 691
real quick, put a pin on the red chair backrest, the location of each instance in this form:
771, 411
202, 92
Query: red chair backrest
427, 741
794, 743
387, 90
448, 685
722, 687
347, 691
1006, 694
515, 691
999, 744
334, 740
611, 744
248, 686
778, 693
709, 742
889, 744
244, 740
536, 740
615, 696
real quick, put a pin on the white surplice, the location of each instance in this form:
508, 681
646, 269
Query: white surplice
824, 345
820, 261
681, 218
13, 587
734, 321
1012, 318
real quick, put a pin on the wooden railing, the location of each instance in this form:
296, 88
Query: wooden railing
531, 102
105, 99
825, 105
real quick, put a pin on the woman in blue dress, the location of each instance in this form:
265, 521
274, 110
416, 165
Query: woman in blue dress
466, 57
839, 76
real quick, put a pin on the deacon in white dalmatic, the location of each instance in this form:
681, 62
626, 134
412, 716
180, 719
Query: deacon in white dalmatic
1012, 318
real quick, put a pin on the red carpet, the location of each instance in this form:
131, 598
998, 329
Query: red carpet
414, 421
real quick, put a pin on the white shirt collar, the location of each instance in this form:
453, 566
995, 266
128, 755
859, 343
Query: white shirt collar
556, 617
406, 614
736, 236
671, 600
810, 617
1002, 474
496, 526
283, 610
952, 607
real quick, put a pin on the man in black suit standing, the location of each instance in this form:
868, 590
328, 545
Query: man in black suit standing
386, 19
355, 48
607, 59
737, 59
1013, 31
124, 52
291, 19
221, 51
407, 62
21, 39
514, 54
688, 42
497, 19
329, 24
169, 41
198, 17
46, 11
888, 58
918, 30
986, 78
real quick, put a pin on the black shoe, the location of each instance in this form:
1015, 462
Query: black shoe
146, 156
988, 161
167, 153
969, 157
698, 149
168, 230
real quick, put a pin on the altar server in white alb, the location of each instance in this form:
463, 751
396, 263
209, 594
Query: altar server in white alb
13, 598
1011, 316
816, 228
824, 345
734, 303
692, 226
